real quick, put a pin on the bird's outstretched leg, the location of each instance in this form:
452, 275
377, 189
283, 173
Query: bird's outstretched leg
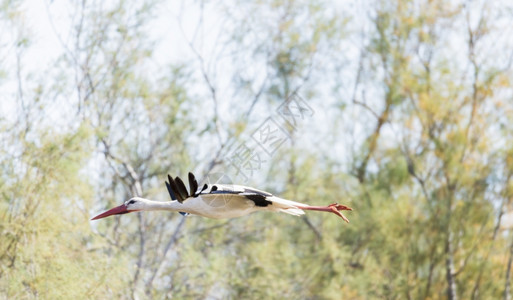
333, 208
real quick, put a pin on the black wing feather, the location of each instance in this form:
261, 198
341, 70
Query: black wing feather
193, 184
178, 191
181, 188
174, 188
170, 191
259, 199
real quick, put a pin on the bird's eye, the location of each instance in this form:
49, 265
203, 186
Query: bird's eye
131, 202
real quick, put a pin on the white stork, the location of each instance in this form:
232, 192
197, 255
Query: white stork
218, 201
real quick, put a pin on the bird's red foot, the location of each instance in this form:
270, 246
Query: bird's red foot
335, 208
340, 206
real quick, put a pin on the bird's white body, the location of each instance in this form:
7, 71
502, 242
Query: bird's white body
218, 201
219, 206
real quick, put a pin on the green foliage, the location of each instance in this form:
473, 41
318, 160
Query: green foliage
412, 129
47, 245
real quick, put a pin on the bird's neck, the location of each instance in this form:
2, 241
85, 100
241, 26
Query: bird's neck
151, 205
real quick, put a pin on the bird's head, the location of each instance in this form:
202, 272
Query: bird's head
131, 205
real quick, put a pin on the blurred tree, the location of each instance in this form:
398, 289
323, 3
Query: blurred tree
440, 228
411, 128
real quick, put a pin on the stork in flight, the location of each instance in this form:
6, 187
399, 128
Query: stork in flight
218, 201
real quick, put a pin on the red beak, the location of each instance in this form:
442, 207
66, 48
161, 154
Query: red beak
119, 210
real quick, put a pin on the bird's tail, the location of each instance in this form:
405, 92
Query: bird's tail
285, 206
293, 211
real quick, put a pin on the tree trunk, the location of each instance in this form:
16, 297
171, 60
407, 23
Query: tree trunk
449, 266
507, 286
